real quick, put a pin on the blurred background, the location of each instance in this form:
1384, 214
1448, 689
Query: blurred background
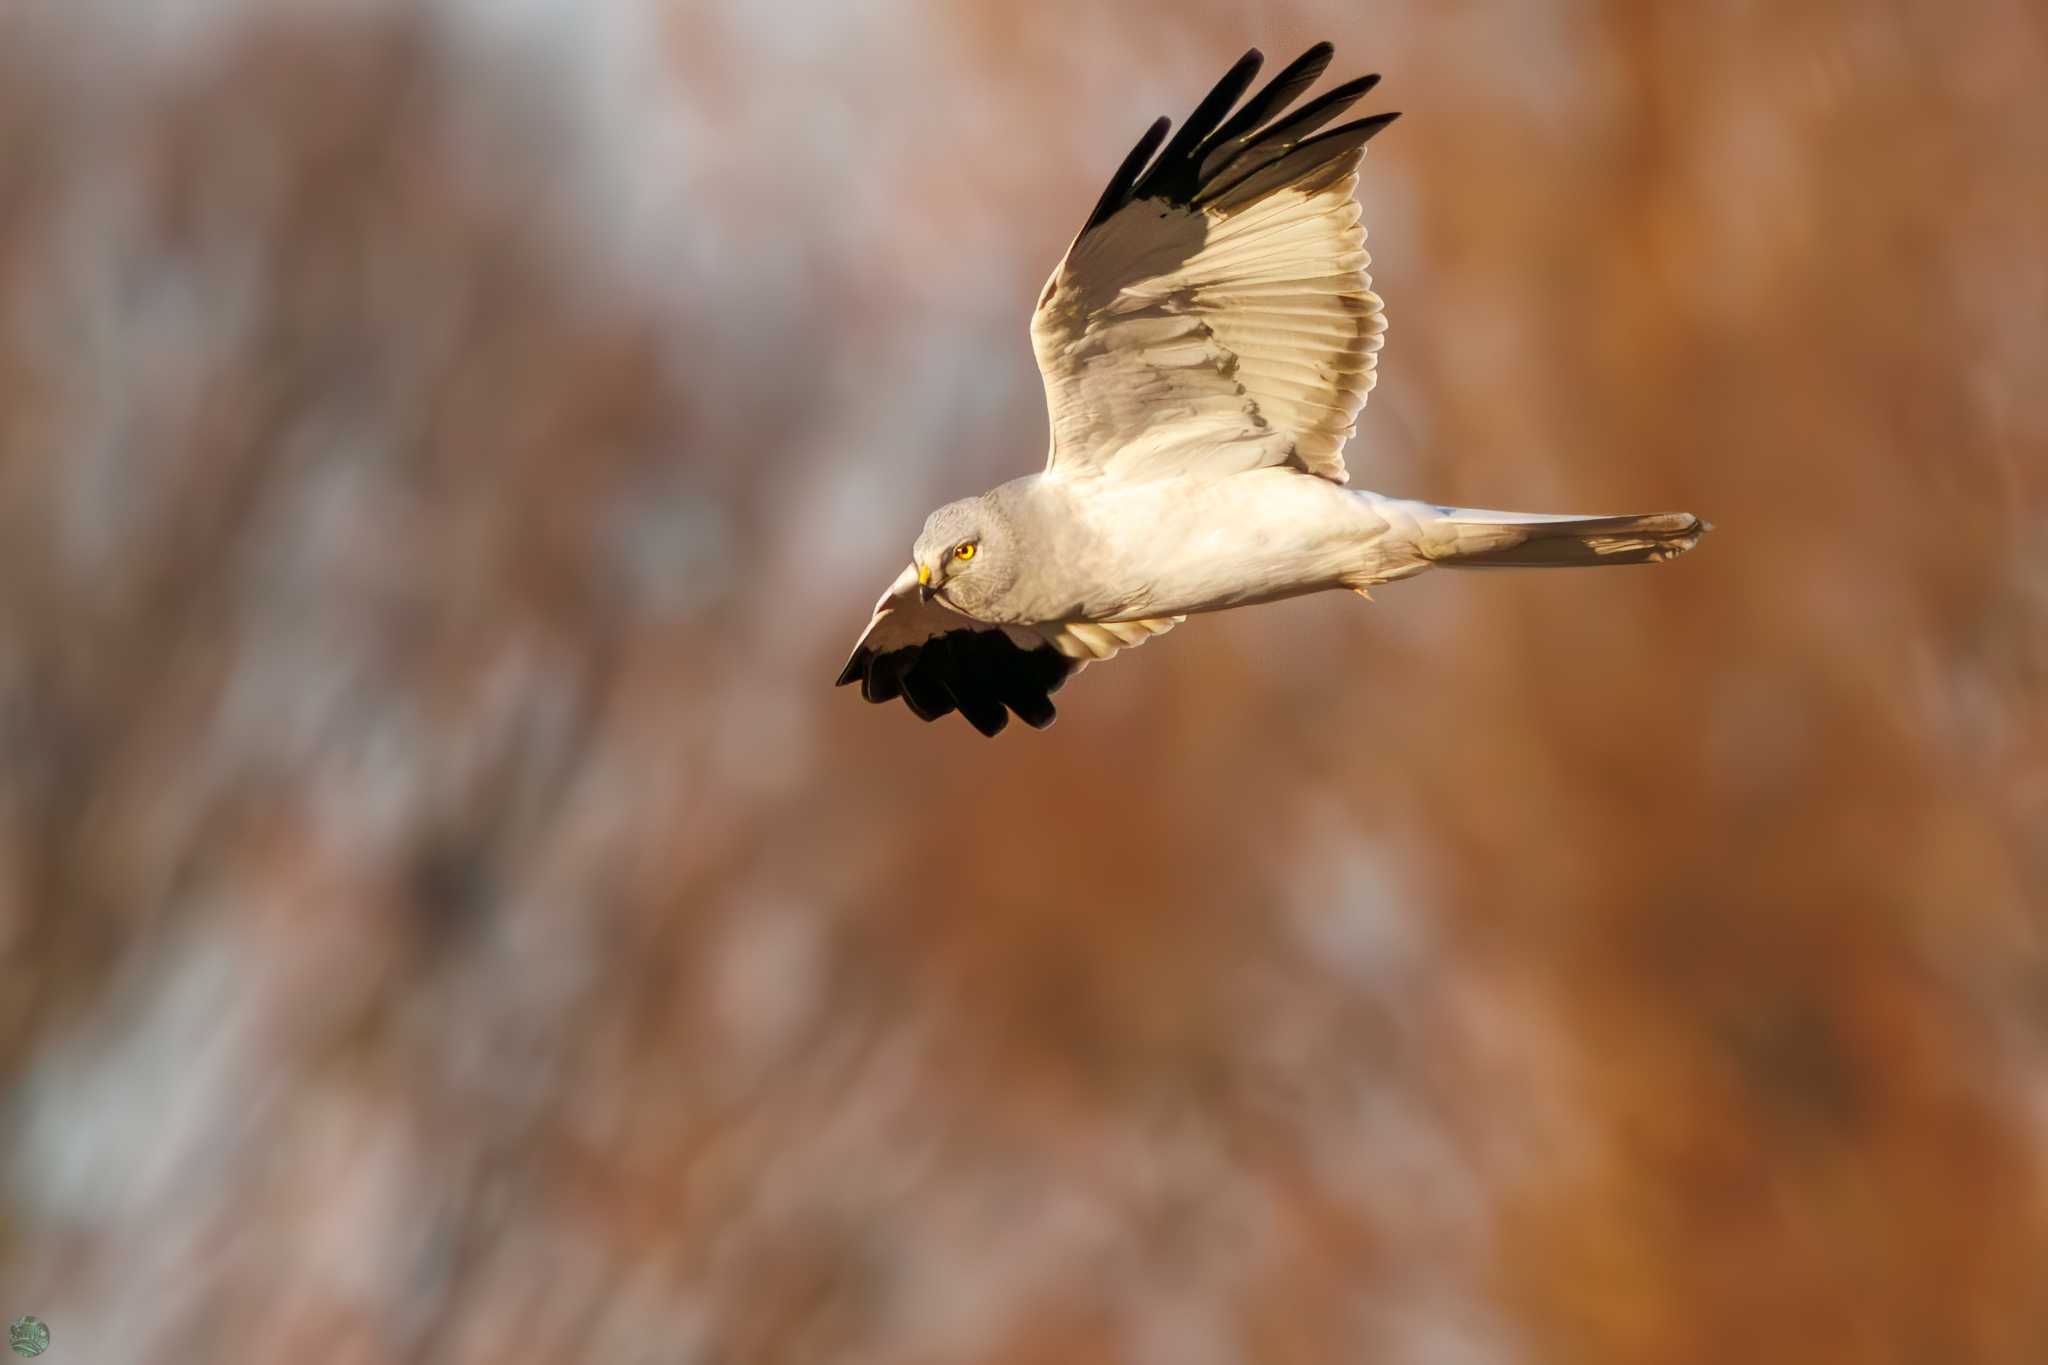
447, 448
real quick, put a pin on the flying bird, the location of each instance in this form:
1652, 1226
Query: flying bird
1207, 344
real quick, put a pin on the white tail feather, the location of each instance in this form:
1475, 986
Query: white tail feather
1529, 540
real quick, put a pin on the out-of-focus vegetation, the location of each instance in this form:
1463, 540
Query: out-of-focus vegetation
446, 449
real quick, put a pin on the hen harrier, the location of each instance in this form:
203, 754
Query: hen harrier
1207, 345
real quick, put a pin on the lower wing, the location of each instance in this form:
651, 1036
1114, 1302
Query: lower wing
939, 661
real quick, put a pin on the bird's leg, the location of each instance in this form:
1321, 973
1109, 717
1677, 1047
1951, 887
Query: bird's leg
1363, 593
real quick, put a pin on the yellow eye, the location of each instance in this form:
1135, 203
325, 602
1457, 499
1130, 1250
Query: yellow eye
964, 550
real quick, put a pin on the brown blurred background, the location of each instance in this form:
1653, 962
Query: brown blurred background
447, 448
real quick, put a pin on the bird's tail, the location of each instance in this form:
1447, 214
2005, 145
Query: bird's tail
1469, 538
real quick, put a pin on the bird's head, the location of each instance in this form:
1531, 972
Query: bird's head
961, 555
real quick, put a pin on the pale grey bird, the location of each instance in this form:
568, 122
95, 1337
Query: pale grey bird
1207, 344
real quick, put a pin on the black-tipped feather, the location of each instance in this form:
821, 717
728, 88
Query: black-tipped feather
883, 681
1277, 94
925, 691
1276, 140
1213, 154
1174, 176
1119, 192
1297, 160
975, 686
1033, 705
983, 674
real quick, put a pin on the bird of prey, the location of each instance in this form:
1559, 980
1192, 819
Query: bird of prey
1207, 344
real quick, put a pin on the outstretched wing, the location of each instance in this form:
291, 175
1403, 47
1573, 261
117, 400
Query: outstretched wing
1214, 314
939, 661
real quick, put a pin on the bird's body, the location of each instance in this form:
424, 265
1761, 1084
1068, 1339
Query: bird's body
1207, 344
1130, 551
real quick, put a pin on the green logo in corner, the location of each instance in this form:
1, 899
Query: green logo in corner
28, 1336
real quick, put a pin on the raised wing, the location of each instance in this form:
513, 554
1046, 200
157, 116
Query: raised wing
939, 661
1214, 314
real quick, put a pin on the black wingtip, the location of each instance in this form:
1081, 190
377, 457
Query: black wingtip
856, 668
1372, 127
982, 674
1221, 146
1127, 174
1375, 125
1173, 176
1215, 148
